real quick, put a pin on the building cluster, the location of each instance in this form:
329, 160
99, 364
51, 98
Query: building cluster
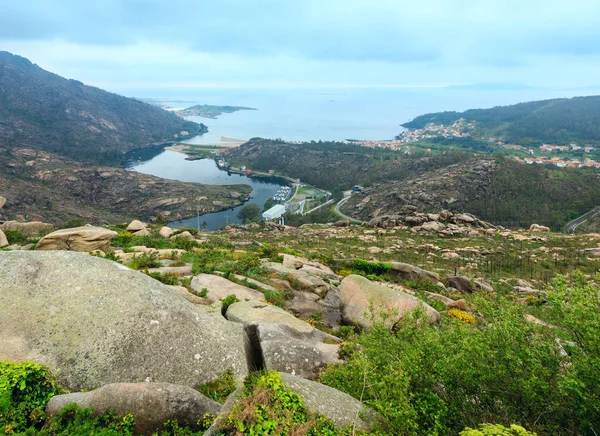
282, 193
546, 148
458, 129
561, 163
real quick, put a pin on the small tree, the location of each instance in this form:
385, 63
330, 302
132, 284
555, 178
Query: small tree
249, 213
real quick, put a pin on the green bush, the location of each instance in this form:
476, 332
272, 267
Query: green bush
16, 237
228, 301
496, 430
371, 268
72, 420
440, 379
167, 279
144, 261
25, 388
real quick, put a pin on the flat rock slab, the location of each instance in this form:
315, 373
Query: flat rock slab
31, 228
151, 404
177, 270
219, 288
97, 322
85, 239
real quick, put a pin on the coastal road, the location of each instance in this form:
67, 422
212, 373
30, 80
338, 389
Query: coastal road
570, 227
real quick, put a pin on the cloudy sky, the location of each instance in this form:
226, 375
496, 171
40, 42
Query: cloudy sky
123, 45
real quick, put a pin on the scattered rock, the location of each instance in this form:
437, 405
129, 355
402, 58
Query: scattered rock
342, 223
219, 288
339, 407
480, 285
305, 280
135, 226
31, 228
165, 232
151, 404
95, 322
184, 235
180, 271
458, 304
538, 228
142, 232
358, 295
460, 283
85, 239
406, 271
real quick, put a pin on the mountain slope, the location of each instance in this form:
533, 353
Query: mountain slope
558, 120
42, 110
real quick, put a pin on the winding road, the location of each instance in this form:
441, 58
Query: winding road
570, 227
337, 209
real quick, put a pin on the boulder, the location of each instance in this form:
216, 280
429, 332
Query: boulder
405, 271
143, 232
3, 240
185, 270
2, 202
165, 232
342, 223
219, 288
31, 228
481, 285
358, 296
86, 239
295, 262
538, 228
135, 226
432, 226
184, 235
339, 407
303, 279
458, 304
317, 270
460, 283
95, 322
189, 296
151, 404
285, 342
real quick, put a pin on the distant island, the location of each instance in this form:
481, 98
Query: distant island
211, 111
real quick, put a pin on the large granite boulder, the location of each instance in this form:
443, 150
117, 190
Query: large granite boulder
219, 288
151, 404
97, 322
338, 406
85, 239
31, 228
460, 283
285, 343
405, 271
363, 302
165, 232
3, 240
135, 226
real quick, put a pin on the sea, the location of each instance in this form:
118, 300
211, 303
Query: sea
304, 114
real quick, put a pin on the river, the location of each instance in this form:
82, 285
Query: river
172, 165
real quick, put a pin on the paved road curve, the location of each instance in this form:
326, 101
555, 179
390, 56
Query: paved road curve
570, 227
337, 210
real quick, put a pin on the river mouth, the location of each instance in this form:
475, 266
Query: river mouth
157, 161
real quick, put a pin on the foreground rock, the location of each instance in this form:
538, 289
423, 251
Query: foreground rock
151, 404
83, 239
359, 297
97, 322
31, 228
219, 288
339, 407
285, 343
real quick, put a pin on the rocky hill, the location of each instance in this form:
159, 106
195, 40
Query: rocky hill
500, 191
47, 187
559, 120
323, 329
42, 110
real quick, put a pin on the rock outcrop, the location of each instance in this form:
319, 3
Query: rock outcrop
151, 404
359, 297
96, 322
85, 239
285, 343
406, 271
30, 228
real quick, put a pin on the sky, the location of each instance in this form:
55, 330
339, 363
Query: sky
124, 45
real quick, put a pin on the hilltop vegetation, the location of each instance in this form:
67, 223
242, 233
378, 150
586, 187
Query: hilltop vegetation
42, 110
555, 121
212, 111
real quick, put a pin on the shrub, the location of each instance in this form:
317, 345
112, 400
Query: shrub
167, 279
496, 430
375, 268
144, 261
72, 420
461, 315
16, 237
25, 388
228, 301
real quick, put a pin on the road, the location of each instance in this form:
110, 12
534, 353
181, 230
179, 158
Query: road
342, 201
570, 227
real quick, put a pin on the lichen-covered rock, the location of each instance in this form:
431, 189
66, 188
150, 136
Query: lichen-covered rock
219, 288
86, 239
363, 302
97, 322
151, 404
